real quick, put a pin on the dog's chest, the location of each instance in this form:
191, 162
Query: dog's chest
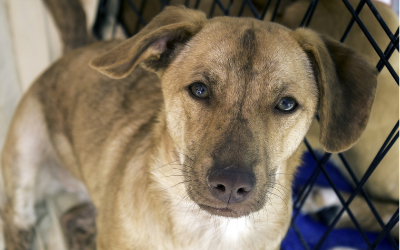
212, 232
196, 229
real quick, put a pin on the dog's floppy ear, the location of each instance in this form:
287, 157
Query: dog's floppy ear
154, 46
347, 85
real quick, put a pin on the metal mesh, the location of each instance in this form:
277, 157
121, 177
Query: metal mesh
140, 13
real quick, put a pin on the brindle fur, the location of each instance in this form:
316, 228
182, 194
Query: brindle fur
144, 147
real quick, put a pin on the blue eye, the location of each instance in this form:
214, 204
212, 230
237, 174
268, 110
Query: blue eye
199, 90
287, 104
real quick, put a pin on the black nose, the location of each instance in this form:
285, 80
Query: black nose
231, 185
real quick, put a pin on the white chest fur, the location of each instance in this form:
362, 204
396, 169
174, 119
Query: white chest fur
197, 229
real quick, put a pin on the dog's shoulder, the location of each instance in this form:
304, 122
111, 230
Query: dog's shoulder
71, 92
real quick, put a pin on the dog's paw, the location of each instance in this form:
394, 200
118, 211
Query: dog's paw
319, 199
18, 239
322, 204
80, 228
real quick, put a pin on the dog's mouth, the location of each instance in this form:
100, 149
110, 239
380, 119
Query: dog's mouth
226, 212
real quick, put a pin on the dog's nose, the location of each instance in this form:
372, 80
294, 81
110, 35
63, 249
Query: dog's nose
231, 185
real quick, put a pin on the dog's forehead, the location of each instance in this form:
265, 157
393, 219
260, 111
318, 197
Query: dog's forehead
244, 36
242, 50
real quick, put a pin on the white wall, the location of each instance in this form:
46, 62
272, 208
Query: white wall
28, 44
10, 89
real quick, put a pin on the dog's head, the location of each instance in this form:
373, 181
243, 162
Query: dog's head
240, 95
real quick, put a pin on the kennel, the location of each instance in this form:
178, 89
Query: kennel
305, 232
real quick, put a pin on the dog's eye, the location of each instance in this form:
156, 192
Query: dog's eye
199, 90
287, 104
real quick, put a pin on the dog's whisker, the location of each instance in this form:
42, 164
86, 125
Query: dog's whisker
176, 175
165, 165
182, 199
180, 170
272, 174
273, 185
180, 183
184, 155
270, 202
181, 164
277, 189
271, 193
181, 189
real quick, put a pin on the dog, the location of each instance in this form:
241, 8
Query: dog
185, 136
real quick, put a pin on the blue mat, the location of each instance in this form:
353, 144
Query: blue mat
312, 230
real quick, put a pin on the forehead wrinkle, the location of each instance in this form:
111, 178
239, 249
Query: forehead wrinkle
247, 46
259, 79
241, 67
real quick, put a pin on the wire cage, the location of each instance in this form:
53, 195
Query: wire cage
132, 15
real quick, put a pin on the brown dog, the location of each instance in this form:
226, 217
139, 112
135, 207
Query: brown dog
200, 154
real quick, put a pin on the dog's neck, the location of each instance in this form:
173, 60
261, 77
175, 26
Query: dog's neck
194, 227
